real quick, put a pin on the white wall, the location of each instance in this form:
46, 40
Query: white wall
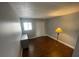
69, 24
10, 32
40, 28
76, 51
30, 33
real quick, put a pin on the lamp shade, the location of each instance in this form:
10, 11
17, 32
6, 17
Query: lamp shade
58, 30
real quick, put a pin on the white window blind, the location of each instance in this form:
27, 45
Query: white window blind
27, 26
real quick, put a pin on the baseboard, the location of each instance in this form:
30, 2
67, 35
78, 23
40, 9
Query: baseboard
39, 36
61, 42
58, 41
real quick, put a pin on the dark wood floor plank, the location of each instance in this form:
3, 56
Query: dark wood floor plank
47, 47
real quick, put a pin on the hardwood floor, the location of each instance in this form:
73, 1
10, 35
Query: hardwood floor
46, 47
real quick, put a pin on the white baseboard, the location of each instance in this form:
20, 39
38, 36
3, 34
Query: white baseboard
40, 36
58, 41
61, 42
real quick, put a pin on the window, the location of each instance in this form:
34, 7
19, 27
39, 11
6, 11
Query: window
27, 26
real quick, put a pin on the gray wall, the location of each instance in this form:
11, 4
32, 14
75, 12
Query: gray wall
10, 32
76, 51
30, 33
69, 24
38, 26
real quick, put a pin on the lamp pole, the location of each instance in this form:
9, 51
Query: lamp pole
58, 31
57, 36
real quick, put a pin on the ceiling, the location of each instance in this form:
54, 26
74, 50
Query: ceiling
44, 9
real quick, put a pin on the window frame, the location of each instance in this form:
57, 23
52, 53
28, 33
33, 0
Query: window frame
29, 25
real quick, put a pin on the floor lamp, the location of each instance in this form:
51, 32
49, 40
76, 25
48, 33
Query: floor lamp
58, 31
